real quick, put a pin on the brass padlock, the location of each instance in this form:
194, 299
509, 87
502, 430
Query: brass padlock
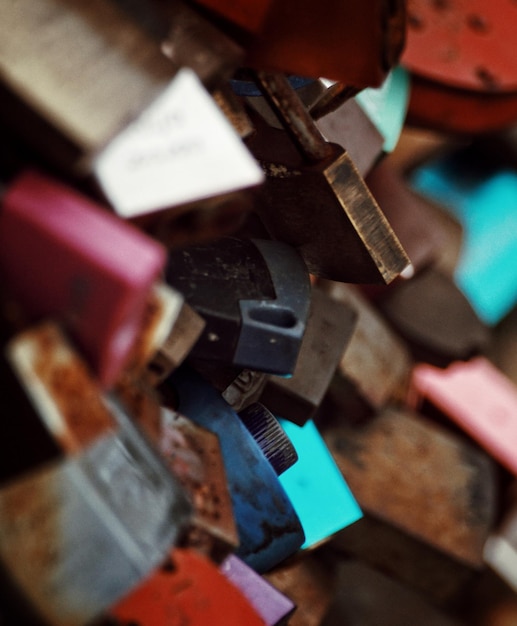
315, 199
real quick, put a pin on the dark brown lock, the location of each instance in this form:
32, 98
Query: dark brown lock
315, 199
412, 475
369, 598
355, 42
375, 367
435, 318
329, 329
419, 566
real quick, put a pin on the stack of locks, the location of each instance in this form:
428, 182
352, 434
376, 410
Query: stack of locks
277, 308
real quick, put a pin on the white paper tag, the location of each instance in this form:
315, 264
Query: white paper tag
182, 149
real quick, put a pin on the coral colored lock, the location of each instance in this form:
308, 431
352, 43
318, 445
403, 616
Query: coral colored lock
188, 589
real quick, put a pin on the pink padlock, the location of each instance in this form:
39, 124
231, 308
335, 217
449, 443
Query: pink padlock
61, 255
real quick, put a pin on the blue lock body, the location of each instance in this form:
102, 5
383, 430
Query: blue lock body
316, 486
484, 203
268, 526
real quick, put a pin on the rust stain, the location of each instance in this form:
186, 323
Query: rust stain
72, 388
417, 477
194, 456
31, 540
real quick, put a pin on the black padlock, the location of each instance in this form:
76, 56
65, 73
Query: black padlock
254, 296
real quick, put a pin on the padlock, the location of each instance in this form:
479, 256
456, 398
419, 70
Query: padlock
150, 172
309, 40
315, 200
369, 597
58, 86
481, 198
73, 76
409, 473
186, 589
435, 548
269, 529
415, 564
193, 455
310, 582
375, 115
387, 106
273, 606
477, 397
460, 112
61, 255
78, 534
350, 127
375, 367
435, 319
315, 486
339, 117
65, 397
464, 45
329, 329
254, 296
136, 132
169, 330
25, 441
460, 53
418, 224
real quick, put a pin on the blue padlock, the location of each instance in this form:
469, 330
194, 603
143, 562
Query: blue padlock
316, 486
483, 200
268, 526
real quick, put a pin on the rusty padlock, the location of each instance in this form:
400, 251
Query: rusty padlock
416, 479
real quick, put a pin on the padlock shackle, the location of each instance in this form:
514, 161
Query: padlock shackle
293, 115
